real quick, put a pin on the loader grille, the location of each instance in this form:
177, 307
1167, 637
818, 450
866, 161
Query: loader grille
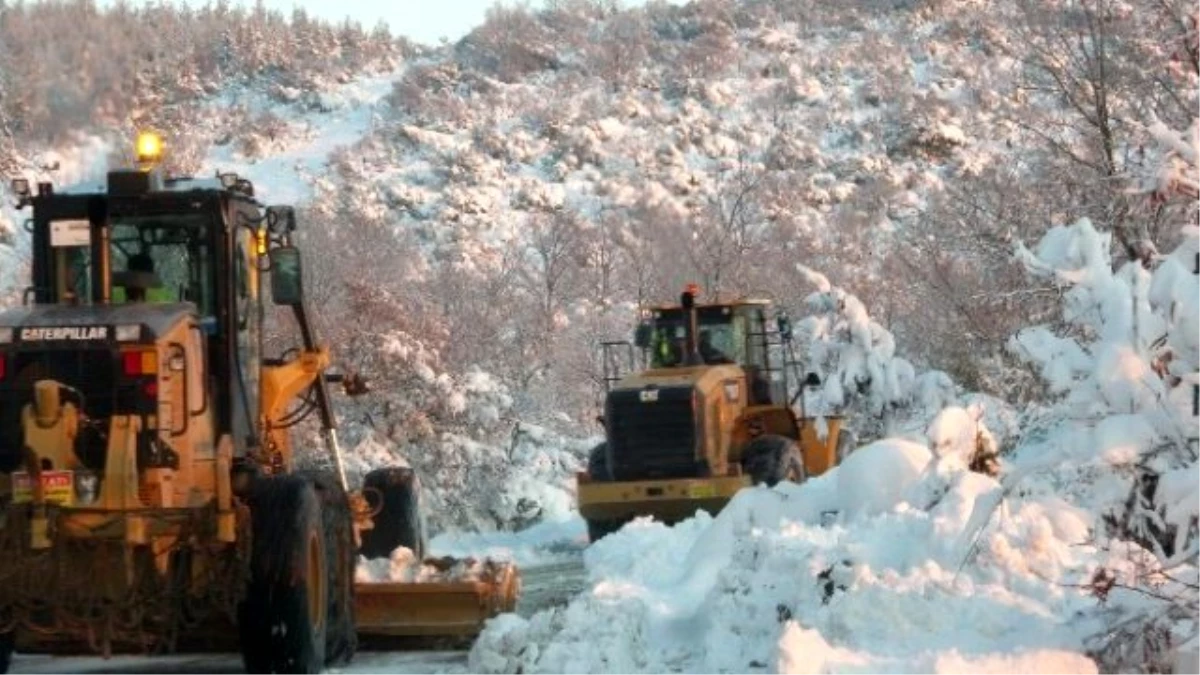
92, 371
652, 439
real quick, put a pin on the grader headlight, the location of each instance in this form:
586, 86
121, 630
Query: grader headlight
149, 148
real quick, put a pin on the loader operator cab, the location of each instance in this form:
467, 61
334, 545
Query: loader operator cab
728, 333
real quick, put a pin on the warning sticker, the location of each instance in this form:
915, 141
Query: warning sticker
67, 233
58, 486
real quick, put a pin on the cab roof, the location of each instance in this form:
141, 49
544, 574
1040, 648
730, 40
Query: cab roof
719, 302
182, 184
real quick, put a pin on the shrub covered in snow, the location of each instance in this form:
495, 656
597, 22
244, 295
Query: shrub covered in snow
862, 375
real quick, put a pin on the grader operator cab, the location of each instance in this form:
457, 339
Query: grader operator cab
709, 415
149, 494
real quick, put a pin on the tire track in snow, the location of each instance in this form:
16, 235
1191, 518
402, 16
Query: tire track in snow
550, 585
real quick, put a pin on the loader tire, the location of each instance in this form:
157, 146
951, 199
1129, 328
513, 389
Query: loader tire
341, 634
847, 443
396, 493
598, 529
769, 459
600, 470
283, 620
597, 465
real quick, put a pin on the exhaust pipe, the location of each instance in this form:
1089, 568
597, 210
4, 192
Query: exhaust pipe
691, 326
97, 209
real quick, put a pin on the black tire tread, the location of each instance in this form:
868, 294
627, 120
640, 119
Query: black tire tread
598, 467
284, 511
341, 634
598, 529
399, 521
771, 458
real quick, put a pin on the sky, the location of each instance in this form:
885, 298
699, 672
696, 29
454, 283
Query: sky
425, 21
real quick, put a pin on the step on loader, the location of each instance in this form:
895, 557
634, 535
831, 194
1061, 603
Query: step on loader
150, 499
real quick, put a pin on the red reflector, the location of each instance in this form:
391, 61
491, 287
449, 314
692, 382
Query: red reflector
3, 358
131, 363
151, 389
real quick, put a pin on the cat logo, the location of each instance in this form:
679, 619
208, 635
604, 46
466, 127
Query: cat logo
648, 395
58, 333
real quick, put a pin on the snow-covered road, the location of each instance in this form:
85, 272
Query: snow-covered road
550, 585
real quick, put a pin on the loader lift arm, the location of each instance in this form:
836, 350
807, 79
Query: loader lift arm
284, 381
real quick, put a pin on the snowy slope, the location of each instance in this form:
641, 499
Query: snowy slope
283, 171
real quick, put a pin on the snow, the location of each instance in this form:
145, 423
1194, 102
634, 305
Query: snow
402, 567
765, 584
900, 559
875, 477
551, 540
806, 651
924, 565
346, 114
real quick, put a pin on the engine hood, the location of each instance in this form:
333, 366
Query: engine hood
691, 377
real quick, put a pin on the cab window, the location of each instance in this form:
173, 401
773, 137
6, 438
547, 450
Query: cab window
162, 259
720, 337
73, 274
753, 325
248, 331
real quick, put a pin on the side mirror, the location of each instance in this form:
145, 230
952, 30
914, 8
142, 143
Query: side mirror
812, 380
281, 218
784, 324
643, 335
286, 274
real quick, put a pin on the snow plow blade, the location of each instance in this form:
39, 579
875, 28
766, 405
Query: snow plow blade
449, 598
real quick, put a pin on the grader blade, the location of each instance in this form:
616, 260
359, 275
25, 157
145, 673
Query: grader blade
447, 598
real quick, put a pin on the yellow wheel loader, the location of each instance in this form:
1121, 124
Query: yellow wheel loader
149, 496
710, 414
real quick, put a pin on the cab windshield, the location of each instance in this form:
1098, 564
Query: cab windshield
157, 258
721, 337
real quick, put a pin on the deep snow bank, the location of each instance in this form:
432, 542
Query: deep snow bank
935, 572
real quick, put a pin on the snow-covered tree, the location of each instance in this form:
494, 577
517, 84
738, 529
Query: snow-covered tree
862, 377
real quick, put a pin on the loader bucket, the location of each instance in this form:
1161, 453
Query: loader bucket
820, 454
448, 598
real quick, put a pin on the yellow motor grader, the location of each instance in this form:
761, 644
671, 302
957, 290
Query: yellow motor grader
709, 415
149, 496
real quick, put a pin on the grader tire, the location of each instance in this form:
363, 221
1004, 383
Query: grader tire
341, 634
769, 459
283, 620
395, 493
7, 643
